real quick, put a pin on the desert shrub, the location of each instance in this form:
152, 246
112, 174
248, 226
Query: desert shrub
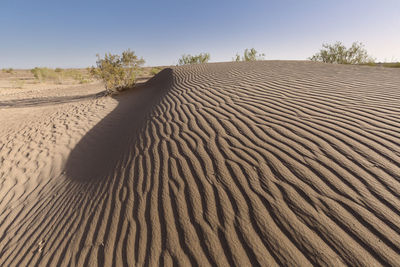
9, 70
371, 63
117, 72
155, 70
58, 75
82, 76
18, 83
46, 74
73, 74
249, 55
339, 54
196, 59
36, 73
392, 65
78, 76
84, 80
384, 64
237, 58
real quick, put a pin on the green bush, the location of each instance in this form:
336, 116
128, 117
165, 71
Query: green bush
249, 55
339, 54
117, 72
196, 59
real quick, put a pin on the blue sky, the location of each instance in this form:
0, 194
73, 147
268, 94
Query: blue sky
69, 33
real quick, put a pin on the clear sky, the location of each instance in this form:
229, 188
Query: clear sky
69, 33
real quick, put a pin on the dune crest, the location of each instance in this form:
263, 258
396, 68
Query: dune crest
231, 164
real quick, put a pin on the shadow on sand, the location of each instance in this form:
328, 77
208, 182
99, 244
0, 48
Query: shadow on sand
34, 102
97, 154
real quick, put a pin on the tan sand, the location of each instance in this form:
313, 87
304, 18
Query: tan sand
231, 164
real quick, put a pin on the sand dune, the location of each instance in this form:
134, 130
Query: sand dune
231, 164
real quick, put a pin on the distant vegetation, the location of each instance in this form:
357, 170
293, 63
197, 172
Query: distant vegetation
17, 83
155, 70
118, 72
391, 65
249, 55
196, 59
58, 75
385, 64
338, 53
9, 70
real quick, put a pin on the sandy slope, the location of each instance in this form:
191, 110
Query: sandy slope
265, 163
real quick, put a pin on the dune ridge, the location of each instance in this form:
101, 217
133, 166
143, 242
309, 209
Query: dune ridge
231, 164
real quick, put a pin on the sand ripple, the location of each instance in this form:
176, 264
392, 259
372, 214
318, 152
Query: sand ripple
228, 164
